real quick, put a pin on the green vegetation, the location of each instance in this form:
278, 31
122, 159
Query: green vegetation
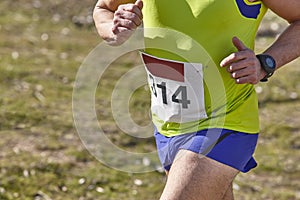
41, 155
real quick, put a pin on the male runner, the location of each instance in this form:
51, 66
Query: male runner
225, 134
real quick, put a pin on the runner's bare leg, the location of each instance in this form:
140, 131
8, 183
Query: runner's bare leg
196, 177
229, 194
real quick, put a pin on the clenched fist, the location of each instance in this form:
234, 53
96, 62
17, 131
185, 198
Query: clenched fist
126, 19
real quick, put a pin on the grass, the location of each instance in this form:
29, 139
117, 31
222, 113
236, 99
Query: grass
41, 155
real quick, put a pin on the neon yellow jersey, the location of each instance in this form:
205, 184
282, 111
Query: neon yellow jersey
201, 31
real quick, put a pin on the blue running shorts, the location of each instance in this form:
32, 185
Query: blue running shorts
229, 147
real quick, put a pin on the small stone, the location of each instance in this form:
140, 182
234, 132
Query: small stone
235, 187
100, 189
15, 55
44, 37
26, 173
258, 89
2, 190
81, 181
293, 95
138, 182
146, 161
64, 188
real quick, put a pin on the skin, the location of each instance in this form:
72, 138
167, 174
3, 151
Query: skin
116, 20
243, 65
196, 177
192, 176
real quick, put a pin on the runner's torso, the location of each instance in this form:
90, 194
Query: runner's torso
205, 29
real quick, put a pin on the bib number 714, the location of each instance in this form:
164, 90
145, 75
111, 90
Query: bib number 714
179, 96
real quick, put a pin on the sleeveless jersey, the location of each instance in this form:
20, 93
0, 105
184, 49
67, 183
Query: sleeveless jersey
201, 31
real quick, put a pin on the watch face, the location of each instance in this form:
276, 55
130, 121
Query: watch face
270, 62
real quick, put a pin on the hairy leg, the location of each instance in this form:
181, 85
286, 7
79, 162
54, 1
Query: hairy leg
229, 194
196, 177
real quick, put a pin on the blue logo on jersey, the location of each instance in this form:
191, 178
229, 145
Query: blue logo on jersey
249, 11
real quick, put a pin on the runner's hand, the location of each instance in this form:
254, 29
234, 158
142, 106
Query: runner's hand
243, 65
126, 19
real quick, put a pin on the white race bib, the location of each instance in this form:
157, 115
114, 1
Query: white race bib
177, 92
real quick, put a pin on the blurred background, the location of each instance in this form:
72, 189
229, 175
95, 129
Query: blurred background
43, 44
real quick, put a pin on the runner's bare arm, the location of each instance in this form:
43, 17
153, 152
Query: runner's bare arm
115, 20
243, 65
287, 47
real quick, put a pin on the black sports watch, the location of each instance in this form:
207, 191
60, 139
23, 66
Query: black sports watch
268, 64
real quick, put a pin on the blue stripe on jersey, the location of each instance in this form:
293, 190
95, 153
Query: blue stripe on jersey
249, 11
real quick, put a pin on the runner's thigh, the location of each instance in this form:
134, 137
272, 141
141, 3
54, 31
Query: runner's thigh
196, 177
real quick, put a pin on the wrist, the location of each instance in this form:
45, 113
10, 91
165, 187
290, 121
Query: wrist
268, 66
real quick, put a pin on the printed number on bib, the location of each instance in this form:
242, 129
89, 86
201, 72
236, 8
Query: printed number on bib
179, 96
